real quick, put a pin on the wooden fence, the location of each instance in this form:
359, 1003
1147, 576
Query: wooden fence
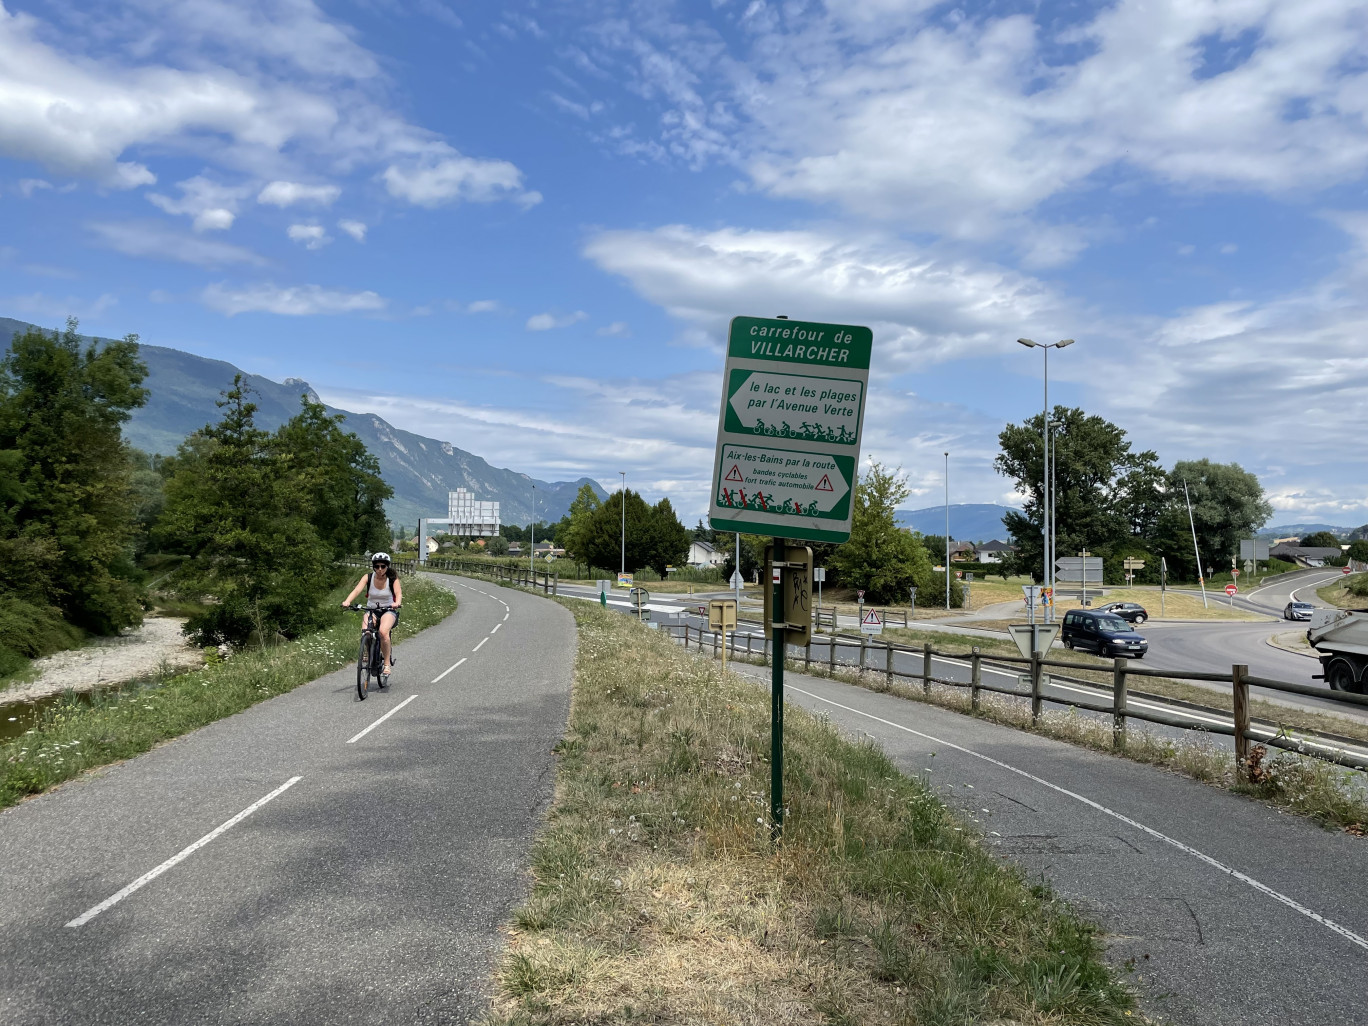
825, 616
871, 654
545, 581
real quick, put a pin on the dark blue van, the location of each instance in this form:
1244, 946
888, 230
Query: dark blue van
1103, 632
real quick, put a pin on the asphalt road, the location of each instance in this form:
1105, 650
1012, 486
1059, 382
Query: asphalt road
369, 888
1230, 913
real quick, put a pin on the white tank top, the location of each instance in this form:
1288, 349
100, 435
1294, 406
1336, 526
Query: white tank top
379, 593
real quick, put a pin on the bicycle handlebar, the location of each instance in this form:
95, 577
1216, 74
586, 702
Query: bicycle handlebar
382, 610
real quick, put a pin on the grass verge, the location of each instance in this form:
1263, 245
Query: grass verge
86, 731
659, 897
1338, 593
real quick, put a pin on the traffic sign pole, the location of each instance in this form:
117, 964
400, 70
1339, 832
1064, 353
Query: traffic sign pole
778, 652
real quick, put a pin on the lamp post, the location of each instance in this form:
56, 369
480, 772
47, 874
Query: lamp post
1055, 425
623, 569
532, 545
1048, 506
947, 532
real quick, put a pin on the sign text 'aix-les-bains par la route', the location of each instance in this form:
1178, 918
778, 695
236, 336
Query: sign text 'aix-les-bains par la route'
788, 439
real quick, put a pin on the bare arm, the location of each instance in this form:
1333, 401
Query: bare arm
354, 592
398, 593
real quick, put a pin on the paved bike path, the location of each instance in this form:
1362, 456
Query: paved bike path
369, 889
1151, 855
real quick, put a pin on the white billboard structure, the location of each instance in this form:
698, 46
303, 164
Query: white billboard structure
467, 517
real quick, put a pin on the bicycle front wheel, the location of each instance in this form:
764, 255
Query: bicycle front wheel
363, 667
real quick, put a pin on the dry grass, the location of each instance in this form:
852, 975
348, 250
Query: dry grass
1338, 594
660, 898
1178, 605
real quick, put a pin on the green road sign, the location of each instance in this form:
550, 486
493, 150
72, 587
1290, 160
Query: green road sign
788, 437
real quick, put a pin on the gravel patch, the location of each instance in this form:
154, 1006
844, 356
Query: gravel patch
136, 654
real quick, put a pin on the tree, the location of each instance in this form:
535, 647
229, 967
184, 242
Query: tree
238, 507
572, 526
67, 508
880, 557
1358, 550
1227, 504
339, 478
654, 536
1320, 540
497, 546
1105, 494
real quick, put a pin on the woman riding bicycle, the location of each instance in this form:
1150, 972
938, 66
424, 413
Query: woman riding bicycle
382, 588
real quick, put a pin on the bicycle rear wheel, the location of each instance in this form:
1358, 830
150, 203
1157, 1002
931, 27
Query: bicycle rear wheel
363, 666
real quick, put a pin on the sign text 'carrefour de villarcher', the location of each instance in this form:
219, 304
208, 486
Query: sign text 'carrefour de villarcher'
788, 438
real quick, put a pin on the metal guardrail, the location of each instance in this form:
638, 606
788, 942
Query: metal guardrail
1314, 744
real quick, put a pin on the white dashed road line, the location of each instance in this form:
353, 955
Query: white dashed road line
381, 720
496, 628
448, 670
482, 641
181, 855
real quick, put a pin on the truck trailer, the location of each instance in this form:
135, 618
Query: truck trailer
1340, 638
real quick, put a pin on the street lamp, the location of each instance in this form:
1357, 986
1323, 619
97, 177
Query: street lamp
532, 545
1054, 426
1047, 508
947, 532
623, 570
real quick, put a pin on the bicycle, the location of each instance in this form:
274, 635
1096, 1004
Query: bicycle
370, 660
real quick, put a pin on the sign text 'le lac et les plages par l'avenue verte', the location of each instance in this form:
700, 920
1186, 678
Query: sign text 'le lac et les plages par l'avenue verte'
788, 439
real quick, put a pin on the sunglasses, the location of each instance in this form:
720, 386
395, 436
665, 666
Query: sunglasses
379, 564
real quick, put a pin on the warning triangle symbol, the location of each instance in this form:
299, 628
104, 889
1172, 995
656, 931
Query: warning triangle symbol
824, 485
871, 617
734, 474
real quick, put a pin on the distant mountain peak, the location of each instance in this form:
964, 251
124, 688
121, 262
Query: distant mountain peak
304, 387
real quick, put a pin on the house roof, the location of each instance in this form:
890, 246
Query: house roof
1305, 552
996, 546
705, 545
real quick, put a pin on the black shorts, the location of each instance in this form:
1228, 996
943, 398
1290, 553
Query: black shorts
388, 612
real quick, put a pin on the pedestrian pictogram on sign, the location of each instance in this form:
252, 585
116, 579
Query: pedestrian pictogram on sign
824, 485
735, 474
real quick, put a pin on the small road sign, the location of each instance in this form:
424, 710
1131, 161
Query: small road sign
736, 580
859, 594
1132, 563
722, 615
1234, 572
959, 574
1033, 637
624, 580
819, 574
870, 623
1231, 589
788, 437
1346, 570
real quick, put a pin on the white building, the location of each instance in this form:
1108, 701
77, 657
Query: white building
703, 554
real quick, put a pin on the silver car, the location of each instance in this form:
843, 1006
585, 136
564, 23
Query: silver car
1298, 611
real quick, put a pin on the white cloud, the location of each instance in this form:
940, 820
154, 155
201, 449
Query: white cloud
156, 240
356, 229
617, 328
311, 235
484, 306
445, 176
966, 125
927, 307
546, 321
296, 301
28, 186
212, 206
287, 194
275, 89
41, 306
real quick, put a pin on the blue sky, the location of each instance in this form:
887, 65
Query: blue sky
523, 227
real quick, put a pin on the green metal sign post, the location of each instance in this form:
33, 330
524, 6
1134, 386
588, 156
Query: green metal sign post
788, 447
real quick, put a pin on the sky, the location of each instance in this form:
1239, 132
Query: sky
523, 227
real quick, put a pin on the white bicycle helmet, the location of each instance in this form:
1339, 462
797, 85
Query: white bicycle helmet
380, 557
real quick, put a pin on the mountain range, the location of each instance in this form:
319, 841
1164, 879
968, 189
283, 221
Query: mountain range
183, 388
969, 521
